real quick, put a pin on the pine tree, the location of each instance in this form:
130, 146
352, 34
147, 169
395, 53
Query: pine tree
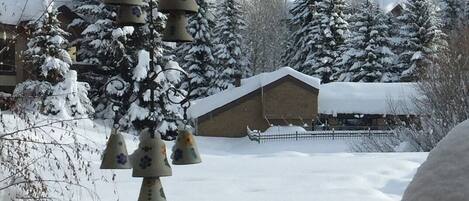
197, 56
101, 43
368, 56
57, 89
230, 54
420, 38
328, 31
465, 16
453, 12
299, 42
141, 83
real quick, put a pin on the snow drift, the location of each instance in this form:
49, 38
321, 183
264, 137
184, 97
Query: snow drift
444, 176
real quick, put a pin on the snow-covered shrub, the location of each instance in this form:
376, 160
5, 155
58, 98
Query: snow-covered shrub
65, 99
57, 92
42, 158
443, 176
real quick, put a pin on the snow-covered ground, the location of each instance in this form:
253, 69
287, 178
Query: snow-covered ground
238, 169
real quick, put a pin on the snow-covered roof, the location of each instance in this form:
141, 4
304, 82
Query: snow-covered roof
11, 11
388, 5
208, 104
367, 98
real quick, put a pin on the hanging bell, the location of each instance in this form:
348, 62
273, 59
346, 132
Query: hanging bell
115, 156
151, 190
175, 30
185, 151
131, 16
150, 159
188, 6
124, 2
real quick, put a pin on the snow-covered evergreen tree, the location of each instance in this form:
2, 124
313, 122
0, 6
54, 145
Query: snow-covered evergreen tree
420, 38
327, 34
197, 57
466, 13
230, 47
101, 43
452, 14
368, 56
57, 92
299, 43
142, 82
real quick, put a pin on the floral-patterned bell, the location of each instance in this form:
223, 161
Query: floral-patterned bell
150, 159
115, 156
185, 151
131, 16
151, 190
176, 30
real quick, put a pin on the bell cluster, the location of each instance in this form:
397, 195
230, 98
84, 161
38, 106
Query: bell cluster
131, 14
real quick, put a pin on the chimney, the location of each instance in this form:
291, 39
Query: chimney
237, 78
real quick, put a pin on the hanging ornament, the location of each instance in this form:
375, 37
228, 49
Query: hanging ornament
151, 190
131, 16
185, 151
150, 159
115, 155
175, 30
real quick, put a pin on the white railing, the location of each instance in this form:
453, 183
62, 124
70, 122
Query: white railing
326, 134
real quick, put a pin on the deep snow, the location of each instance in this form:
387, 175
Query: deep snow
444, 176
238, 169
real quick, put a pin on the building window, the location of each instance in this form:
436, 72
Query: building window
7, 55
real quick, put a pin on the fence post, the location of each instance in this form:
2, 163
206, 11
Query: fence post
296, 136
259, 137
333, 133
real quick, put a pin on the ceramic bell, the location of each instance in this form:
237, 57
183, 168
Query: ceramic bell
188, 6
124, 2
185, 151
150, 159
131, 16
115, 156
175, 30
151, 190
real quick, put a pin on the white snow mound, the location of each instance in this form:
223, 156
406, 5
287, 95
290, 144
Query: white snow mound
444, 176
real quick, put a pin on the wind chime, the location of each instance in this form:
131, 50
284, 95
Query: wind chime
150, 160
